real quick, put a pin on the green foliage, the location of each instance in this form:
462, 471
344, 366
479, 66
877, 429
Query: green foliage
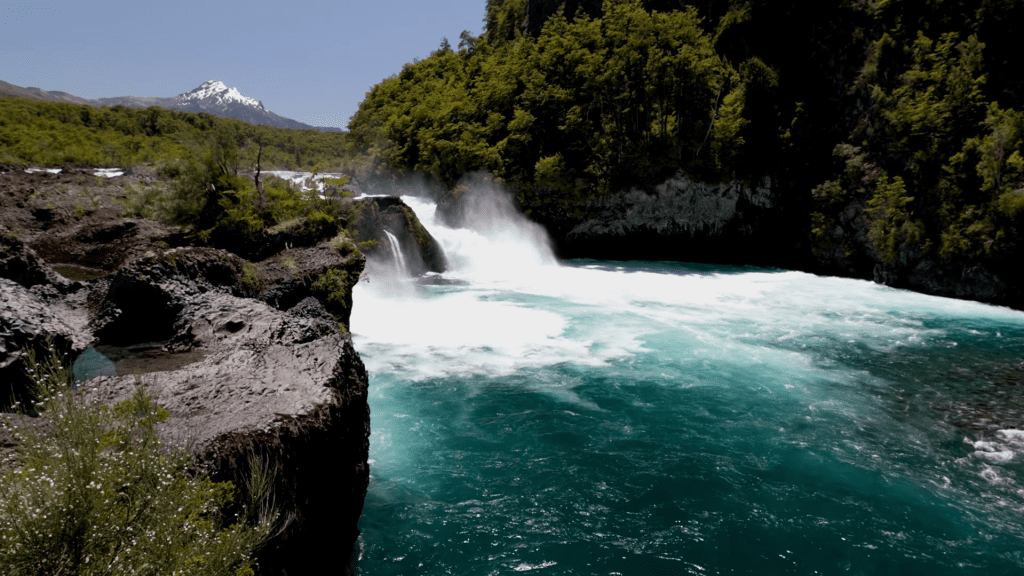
588, 106
53, 133
891, 224
332, 287
345, 246
250, 279
143, 202
954, 159
99, 494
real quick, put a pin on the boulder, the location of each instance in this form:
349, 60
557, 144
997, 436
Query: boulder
146, 295
283, 385
34, 315
287, 387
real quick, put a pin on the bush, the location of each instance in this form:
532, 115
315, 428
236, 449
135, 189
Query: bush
332, 287
98, 493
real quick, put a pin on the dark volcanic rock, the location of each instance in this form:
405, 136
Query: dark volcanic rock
292, 276
103, 246
287, 387
240, 377
682, 220
371, 219
33, 315
146, 296
851, 252
21, 264
33, 320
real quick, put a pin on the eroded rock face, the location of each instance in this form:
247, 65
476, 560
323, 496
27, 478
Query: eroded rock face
296, 274
36, 312
681, 220
285, 386
20, 263
146, 296
33, 320
239, 376
850, 251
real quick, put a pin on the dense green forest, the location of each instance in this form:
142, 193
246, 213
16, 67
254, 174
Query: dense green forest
53, 134
901, 114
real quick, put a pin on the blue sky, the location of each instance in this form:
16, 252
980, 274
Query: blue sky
312, 61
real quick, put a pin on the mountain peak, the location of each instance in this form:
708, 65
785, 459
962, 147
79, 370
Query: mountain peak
218, 92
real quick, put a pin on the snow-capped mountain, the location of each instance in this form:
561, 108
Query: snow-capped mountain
216, 98
213, 97
216, 93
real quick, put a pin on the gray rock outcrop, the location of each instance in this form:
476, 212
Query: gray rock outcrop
681, 220
285, 386
36, 312
239, 377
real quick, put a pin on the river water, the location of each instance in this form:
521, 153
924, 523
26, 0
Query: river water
590, 417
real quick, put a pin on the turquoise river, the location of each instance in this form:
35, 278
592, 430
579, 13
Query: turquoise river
589, 417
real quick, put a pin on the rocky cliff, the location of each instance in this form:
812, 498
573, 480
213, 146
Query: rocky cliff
680, 220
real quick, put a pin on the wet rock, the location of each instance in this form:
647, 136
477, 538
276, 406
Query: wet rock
371, 219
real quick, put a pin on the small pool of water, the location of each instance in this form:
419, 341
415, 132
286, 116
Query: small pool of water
142, 358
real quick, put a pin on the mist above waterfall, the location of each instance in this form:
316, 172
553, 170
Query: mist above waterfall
492, 239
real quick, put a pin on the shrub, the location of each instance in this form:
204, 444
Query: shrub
250, 278
98, 493
332, 287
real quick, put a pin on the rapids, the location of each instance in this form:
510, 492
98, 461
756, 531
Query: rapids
592, 417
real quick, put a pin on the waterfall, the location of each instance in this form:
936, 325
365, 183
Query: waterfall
396, 254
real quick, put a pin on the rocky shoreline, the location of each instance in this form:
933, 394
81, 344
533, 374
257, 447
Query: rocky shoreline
250, 358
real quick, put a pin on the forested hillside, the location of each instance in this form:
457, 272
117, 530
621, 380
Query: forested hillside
890, 129
51, 133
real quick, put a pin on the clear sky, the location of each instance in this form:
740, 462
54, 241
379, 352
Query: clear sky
309, 60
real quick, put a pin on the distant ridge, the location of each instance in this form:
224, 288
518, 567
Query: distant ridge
213, 97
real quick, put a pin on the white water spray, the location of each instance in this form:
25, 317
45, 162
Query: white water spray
396, 254
498, 244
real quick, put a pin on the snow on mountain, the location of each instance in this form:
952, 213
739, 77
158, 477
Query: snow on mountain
218, 92
213, 97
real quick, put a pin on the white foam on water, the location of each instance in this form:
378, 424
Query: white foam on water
501, 248
463, 333
517, 307
304, 180
38, 170
108, 172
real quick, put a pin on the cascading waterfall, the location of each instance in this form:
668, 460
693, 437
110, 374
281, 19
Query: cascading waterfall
623, 418
396, 254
